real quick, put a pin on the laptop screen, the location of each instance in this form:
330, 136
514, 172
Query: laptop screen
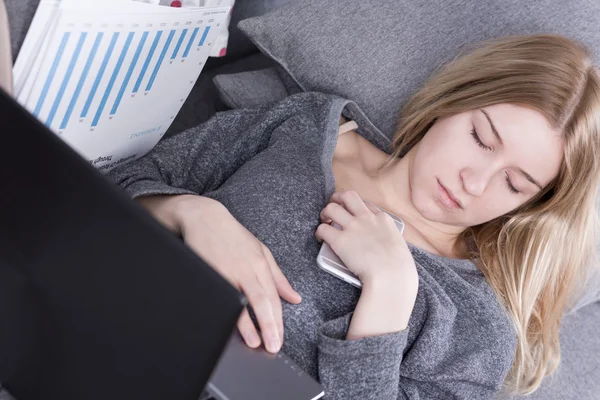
98, 300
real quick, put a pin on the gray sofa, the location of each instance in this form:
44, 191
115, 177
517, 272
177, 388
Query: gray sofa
579, 374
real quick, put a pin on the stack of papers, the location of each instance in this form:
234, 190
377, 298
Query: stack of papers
109, 76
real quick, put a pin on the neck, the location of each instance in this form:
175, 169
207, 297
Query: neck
395, 187
395, 196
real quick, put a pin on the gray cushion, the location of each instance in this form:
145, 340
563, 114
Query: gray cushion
591, 294
203, 101
578, 375
378, 53
239, 45
248, 89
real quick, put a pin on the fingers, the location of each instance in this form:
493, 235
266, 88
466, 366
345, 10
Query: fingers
334, 212
344, 206
261, 304
285, 290
268, 285
248, 330
351, 201
326, 232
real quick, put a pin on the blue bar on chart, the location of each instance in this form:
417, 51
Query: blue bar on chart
179, 42
147, 62
66, 79
84, 74
113, 78
134, 61
111, 47
190, 43
204, 35
50, 77
160, 60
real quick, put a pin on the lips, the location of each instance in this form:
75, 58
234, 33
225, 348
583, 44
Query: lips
447, 198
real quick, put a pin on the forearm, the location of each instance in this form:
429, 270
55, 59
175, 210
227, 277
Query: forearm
385, 306
171, 210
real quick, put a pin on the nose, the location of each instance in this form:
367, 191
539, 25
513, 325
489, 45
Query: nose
475, 182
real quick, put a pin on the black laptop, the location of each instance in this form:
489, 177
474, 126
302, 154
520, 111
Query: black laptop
97, 300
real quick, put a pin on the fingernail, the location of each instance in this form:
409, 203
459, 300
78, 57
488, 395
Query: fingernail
274, 344
252, 339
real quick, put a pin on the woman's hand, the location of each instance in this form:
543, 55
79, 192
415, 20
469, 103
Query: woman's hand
369, 242
371, 246
212, 232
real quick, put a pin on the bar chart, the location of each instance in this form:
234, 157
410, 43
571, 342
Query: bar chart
107, 82
152, 59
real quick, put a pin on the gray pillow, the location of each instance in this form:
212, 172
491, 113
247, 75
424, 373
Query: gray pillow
250, 88
591, 294
379, 52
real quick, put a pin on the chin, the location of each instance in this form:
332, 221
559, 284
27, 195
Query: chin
434, 211
428, 208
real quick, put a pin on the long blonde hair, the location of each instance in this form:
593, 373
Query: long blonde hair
538, 257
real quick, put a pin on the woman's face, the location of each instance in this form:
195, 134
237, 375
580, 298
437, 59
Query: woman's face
490, 160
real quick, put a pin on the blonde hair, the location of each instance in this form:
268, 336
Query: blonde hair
538, 257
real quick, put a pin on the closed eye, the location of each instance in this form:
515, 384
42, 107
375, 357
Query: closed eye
478, 140
510, 186
483, 146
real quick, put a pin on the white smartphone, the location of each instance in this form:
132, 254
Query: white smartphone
330, 262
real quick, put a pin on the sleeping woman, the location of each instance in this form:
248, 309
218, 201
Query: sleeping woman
493, 168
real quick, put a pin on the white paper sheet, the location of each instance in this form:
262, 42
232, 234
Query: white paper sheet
109, 77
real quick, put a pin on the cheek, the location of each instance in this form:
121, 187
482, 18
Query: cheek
443, 152
496, 201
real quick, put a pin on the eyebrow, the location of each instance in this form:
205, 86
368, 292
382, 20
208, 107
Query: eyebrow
492, 125
495, 131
